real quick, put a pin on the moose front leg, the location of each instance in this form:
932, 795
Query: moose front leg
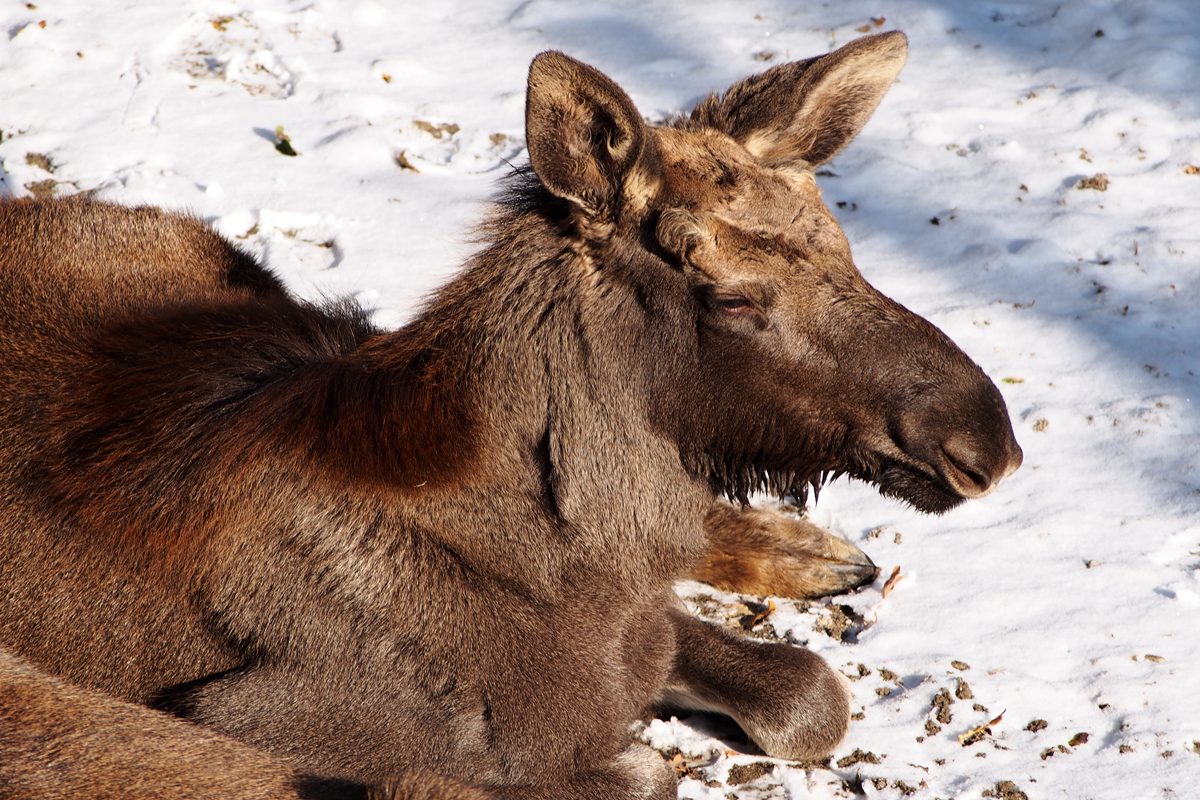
637, 773
753, 551
523, 732
787, 699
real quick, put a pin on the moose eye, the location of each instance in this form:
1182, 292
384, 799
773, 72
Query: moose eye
733, 303
738, 309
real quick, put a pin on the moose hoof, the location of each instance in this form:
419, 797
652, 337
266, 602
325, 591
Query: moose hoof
762, 552
838, 568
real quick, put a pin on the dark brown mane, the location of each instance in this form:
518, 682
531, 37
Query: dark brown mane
521, 191
183, 393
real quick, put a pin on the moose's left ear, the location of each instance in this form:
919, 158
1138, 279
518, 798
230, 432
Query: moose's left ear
803, 113
583, 132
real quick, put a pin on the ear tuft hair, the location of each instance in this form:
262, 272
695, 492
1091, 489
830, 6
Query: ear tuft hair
584, 134
805, 112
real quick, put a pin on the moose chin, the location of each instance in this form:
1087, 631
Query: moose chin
262, 545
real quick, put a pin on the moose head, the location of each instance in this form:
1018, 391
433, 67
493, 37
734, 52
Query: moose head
776, 364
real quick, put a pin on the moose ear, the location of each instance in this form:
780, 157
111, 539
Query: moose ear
583, 132
807, 111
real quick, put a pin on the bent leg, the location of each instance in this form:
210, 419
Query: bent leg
329, 724
760, 552
787, 699
59, 741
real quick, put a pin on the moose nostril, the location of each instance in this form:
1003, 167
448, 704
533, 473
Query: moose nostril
962, 433
966, 467
972, 475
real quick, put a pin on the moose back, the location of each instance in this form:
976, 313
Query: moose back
449, 549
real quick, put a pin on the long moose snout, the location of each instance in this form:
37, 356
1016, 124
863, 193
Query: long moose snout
951, 437
962, 432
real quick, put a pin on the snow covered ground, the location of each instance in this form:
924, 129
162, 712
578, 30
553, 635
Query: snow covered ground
1063, 609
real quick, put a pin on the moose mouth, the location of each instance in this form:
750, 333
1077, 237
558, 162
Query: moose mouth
936, 479
931, 488
923, 489
918, 485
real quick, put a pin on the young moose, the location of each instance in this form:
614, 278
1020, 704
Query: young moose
450, 548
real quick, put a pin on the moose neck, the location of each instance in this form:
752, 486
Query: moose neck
545, 352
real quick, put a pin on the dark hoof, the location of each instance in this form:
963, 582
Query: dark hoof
841, 568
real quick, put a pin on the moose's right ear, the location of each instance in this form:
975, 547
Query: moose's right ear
803, 113
583, 132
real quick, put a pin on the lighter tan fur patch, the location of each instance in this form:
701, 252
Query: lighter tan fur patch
640, 188
762, 142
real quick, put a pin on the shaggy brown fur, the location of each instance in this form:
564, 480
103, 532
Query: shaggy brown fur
450, 548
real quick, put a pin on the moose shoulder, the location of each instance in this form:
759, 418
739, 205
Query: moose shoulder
449, 549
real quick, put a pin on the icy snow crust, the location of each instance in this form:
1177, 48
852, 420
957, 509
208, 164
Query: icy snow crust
1071, 595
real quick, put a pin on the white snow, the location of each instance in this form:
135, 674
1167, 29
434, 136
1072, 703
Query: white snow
1081, 304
